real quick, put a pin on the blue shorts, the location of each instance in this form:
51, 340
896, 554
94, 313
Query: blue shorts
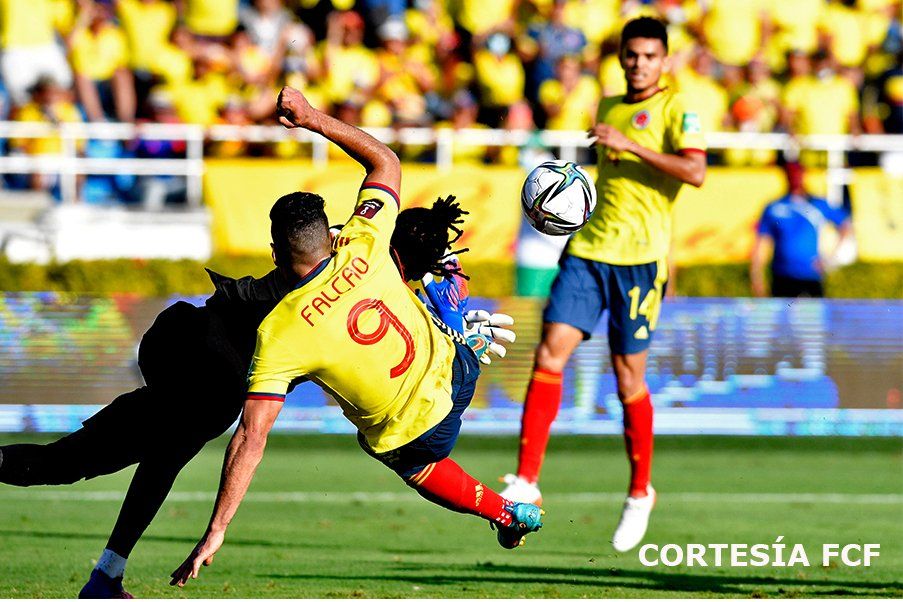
632, 294
437, 443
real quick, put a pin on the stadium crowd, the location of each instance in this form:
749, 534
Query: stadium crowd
805, 67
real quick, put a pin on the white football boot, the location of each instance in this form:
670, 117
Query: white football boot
520, 490
634, 520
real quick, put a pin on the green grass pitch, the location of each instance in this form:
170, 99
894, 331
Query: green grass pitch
324, 520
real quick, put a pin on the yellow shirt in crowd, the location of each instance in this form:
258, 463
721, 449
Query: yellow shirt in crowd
98, 55
349, 68
199, 100
597, 19
501, 79
847, 28
147, 26
733, 30
796, 24
58, 112
211, 17
26, 23
611, 76
480, 16
821, 106
577, 106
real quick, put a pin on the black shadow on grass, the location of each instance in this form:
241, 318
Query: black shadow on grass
592, 577
685, 582
165, 539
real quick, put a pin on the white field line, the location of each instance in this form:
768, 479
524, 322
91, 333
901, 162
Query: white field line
344, 497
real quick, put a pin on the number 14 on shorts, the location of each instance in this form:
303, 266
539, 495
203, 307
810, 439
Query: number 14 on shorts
649, 308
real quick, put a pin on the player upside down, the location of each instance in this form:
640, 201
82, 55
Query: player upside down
352, 326
195, 361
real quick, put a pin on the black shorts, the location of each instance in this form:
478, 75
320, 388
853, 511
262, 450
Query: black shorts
193, 392
782, 286
189, 369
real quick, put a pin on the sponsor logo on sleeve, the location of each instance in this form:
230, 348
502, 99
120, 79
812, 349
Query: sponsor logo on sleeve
690, 123
368, 208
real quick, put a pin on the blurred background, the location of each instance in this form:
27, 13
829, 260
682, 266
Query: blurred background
138, 144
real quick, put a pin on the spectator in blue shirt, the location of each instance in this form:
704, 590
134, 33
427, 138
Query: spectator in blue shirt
545, 44
791, 226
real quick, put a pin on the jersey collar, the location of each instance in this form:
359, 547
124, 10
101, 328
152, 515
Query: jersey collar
313, 273
636, 102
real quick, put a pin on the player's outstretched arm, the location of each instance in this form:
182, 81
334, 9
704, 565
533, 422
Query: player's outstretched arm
689, 168
242, 457
381, 163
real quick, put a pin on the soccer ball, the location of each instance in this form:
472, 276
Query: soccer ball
558, 197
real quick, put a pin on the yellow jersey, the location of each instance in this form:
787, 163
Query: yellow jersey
26, 23
632, 221
349, 69
58, 112
821, 106
146, 26
733, 30
97, 56
356, 329
576, 107
501, 79
211, 17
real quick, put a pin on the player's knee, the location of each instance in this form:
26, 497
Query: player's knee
550, 359
629, 382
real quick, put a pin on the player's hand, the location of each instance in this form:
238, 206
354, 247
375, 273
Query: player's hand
491, 326
202, 555
293, 109
609, 137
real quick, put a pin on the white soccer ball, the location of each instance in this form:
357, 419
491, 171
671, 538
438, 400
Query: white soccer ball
558, 197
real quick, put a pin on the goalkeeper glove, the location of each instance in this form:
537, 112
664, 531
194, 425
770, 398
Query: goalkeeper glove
480, 323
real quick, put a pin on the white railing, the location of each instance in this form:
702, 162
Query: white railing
69, 165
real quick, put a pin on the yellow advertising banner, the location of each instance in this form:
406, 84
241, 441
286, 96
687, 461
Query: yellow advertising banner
241, 192
877, 214
714, 224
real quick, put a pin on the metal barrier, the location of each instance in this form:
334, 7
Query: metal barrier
69, 165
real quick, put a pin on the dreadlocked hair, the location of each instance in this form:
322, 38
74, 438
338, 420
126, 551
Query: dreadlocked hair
423, 237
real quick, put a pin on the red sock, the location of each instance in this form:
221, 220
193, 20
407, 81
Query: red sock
638, 439
445, 483
540, 410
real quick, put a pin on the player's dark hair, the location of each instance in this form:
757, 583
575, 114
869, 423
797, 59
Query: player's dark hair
298, 225
423, 236
645, 27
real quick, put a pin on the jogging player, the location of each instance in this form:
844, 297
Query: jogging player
366, 339
648, 144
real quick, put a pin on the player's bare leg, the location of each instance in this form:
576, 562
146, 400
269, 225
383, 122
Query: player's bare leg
630, 374
540, 408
